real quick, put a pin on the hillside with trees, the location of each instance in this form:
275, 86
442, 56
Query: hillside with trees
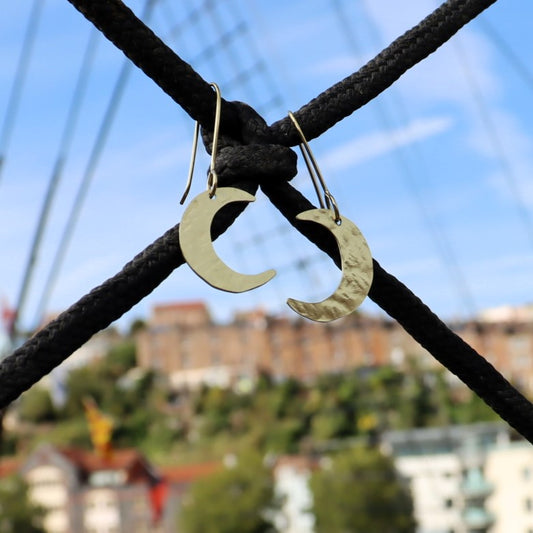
272, 417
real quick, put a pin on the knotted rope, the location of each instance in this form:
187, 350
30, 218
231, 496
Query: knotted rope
247, 141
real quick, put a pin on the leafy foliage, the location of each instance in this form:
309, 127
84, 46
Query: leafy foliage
36, 406
285, 417
17, 514
361, 493
240, 498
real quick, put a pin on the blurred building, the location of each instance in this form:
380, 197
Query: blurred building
291, 475
466, 479
84, 492
183, 342
463, 479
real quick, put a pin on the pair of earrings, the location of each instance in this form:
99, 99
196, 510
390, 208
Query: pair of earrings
198, 251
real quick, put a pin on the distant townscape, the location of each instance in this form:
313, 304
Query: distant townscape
154, 431
181, 340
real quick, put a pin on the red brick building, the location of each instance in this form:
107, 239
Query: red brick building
182, 341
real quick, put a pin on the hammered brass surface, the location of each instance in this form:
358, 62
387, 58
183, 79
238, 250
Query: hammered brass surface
197, 248
357, 270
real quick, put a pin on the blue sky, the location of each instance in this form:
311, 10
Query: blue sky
436, 172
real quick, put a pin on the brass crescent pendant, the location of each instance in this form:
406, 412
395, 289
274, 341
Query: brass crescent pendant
357, 270
197, 248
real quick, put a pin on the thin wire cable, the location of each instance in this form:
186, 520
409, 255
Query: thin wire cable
218, 51
56, 175
90, 169
505, 49
19, 80
107, 302
497, 146
314, 280
435, 230
118, 23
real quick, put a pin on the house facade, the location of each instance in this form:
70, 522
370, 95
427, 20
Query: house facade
182, 342
466, 479
84, 492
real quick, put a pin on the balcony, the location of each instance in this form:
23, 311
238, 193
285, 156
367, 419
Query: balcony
477, 518
475, 486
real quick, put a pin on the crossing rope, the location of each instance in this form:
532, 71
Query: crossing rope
251, 155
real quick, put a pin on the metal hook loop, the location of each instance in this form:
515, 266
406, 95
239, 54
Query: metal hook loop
327, 201
212, 177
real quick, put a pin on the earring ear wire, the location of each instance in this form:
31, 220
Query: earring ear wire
192, 162
328, 201
212, 177
356, 259
195, 226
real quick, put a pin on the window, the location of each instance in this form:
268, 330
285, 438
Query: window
526, 473
448, 503
529, 504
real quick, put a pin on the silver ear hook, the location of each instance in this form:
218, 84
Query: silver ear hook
316, 176
212, 177
192, 162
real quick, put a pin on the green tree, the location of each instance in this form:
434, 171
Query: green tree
120, 358
329, 424
234, 499
36, 406
84, 382
17, 513
360, 492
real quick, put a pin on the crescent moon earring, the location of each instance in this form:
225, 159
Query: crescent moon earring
195, 225
356, 259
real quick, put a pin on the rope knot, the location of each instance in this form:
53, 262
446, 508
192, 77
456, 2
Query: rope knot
249, 154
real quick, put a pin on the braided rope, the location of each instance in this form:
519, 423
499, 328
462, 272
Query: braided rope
419, 321
159, 62
345, 97
96, 310
118, 23
139, 277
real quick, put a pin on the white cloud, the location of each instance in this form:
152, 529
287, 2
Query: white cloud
340, 65
378, 143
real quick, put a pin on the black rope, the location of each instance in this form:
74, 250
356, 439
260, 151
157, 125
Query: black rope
100, 141
109, 301
419, 321
96, 310
345, 97
55, 178
139, 43
187, 88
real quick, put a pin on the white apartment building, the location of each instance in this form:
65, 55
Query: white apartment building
464, 479
511, 469
467, 479
291, 475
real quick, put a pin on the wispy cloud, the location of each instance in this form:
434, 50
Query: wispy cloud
378, 143
340, 65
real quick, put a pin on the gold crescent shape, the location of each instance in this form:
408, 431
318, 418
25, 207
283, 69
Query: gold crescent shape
197, 248
357, 270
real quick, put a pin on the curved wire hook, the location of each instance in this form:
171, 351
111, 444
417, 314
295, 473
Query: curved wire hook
212, 177
328, 201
